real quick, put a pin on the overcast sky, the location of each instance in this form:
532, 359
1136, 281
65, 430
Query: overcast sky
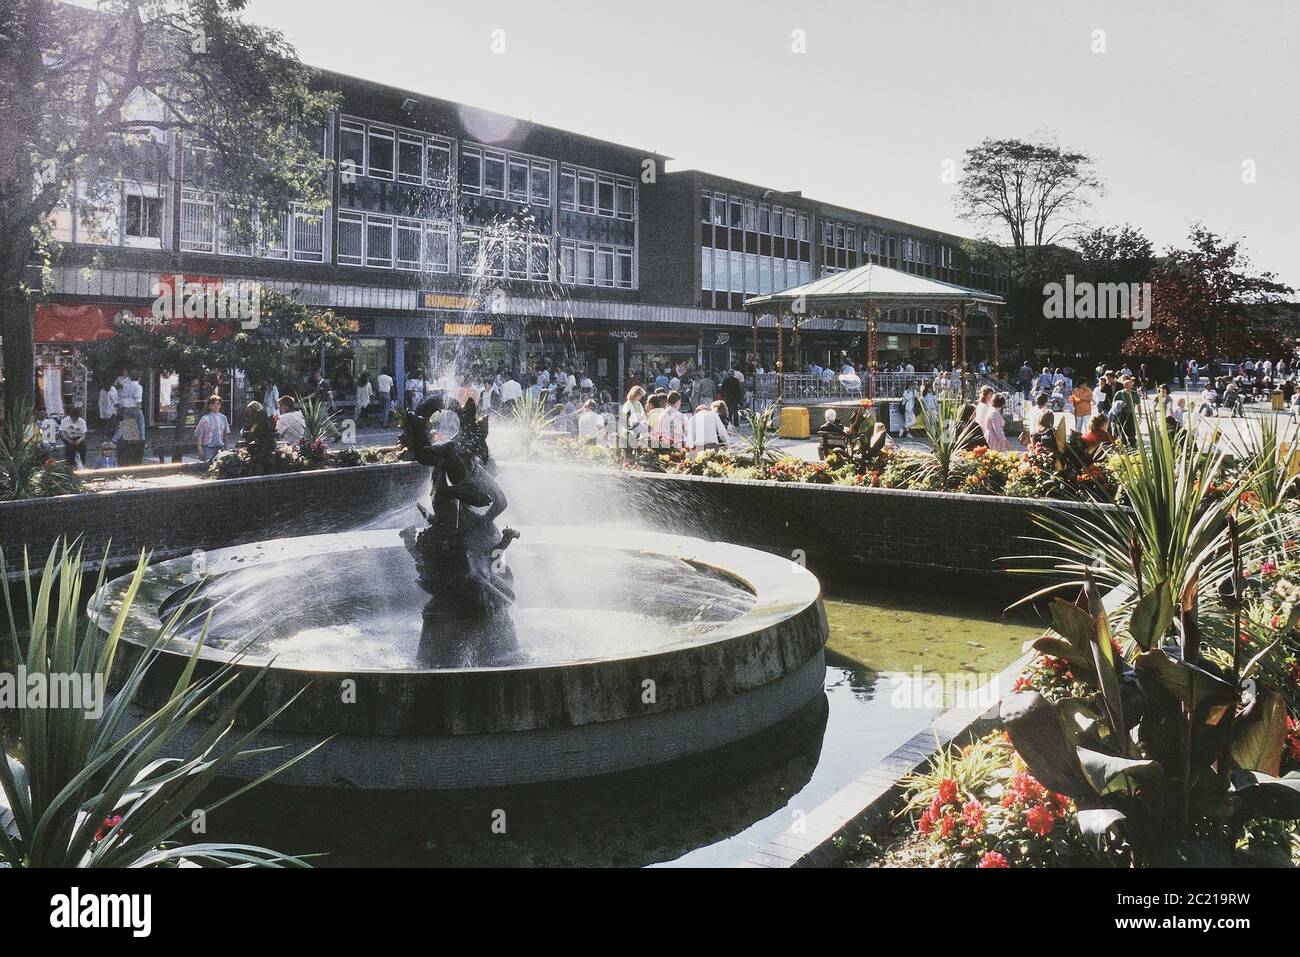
1185, 92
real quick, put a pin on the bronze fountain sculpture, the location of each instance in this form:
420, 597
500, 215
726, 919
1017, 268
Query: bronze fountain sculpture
459, 551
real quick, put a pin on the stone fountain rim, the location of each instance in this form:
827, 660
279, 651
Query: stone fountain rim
782, 589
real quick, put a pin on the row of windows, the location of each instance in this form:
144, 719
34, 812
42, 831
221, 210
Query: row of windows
382, 152
589, 264
501, 175
749, 274
388, 242
739, 213
500, 255
602, 194
208, 227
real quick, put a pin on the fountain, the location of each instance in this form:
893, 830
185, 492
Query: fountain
595, 651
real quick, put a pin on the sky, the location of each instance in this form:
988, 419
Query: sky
1178, 101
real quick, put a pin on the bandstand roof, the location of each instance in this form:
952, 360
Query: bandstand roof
875, 284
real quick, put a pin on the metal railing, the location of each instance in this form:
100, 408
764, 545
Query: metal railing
801, 388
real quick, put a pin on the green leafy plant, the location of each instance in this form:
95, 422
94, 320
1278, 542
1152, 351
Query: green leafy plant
321, 425
1170, 526
531, 417
762, 430
25, 470
110, 790
947, 436
1167, 758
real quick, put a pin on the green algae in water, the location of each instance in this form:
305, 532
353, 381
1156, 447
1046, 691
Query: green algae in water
902, 629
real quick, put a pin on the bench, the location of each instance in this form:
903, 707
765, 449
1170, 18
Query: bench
831, 440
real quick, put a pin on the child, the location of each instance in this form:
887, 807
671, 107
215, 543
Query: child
107, 456
73, 432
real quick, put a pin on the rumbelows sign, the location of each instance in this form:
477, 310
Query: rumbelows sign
448, 300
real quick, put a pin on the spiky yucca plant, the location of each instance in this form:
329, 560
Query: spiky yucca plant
87, 791
24, 469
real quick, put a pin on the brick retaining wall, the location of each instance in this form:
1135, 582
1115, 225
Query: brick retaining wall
836, 527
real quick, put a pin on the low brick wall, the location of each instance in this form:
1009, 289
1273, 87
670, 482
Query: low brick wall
175, 520
837, 528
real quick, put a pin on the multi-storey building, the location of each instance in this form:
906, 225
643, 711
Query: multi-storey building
458, 235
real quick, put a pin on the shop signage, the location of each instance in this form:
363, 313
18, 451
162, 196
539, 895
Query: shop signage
362, 327
723, 338
177, 296
467, 329
925, 329
624, 334
448, 300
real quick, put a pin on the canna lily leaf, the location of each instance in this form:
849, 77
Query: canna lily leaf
1258, 738
1151, 616
1039, 735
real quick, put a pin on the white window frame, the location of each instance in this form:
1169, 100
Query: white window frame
409, 139
382, 133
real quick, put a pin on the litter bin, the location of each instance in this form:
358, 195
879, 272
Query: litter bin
1278, 404
794, 422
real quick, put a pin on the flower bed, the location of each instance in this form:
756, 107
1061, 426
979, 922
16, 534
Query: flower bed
981, 471
305, 456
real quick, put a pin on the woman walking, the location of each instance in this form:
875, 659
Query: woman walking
212, 431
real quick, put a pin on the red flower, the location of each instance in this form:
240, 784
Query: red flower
972, 813
110, 822
1040, 820
992, 859
1023, 789
947, 791
926, 824
947, 823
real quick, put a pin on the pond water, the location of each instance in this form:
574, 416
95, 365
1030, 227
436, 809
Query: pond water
714, 810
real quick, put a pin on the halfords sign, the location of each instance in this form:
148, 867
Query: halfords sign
448, 300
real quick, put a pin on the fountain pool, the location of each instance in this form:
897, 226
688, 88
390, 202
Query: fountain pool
635, 649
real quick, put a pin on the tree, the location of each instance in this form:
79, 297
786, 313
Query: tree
1030, 190
196, 348
1208, 302
89, 98
1024, 197
1112, 255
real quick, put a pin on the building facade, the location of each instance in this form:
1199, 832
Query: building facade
459, 238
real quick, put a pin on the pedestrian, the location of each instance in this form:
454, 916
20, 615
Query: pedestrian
73, 432
361, 400
107, 456
995, 426
384, 391
290, 426
131, 400
212, 431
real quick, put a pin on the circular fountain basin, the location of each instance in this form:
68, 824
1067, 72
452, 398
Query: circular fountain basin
635, 648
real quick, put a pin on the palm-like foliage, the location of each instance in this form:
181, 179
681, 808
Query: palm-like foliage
947, 436
24, 471
104, 791
762, 429
1170, 525
531, 416
319, 422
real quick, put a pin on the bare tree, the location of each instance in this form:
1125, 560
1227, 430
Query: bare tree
1032, 192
